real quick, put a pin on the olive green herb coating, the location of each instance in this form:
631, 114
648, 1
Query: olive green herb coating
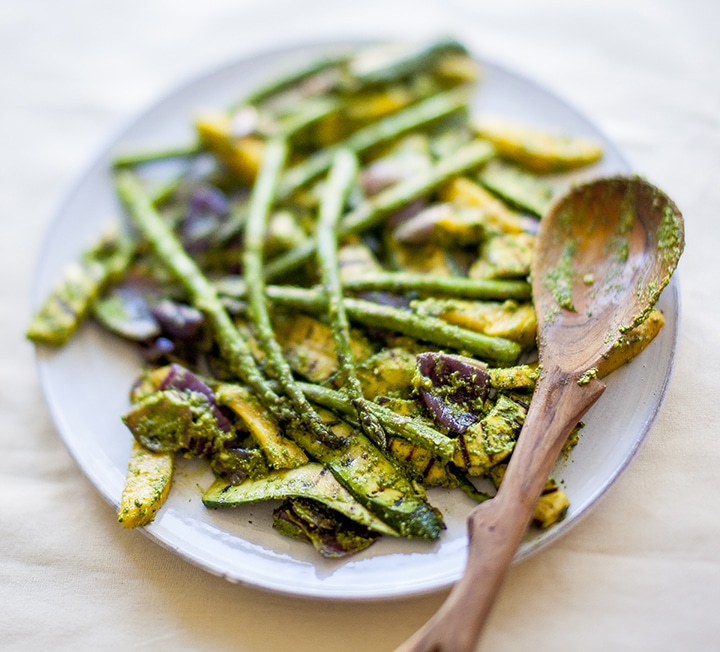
175, 421
169, 251
492, 439
422, 327
266, 431
352, 439
261, 201
147, 484
461, 287
560, 278
340, 181
374, 210
83, 281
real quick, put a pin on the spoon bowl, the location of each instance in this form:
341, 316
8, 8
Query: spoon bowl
604, 253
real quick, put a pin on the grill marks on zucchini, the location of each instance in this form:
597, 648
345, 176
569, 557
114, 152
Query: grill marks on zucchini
374, 479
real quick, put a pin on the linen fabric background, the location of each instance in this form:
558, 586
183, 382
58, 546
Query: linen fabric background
640, 572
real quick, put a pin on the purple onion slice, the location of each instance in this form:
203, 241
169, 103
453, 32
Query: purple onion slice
453, 388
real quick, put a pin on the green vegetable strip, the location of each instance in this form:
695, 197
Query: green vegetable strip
375, 480
373, 211
340, 181
455, 286
81, 283
412, 63
281, 84
203, 295
421, 327
416, 115
413, 430
261, 201
132, 159
401, 282
311, 480
316, 110
520, 189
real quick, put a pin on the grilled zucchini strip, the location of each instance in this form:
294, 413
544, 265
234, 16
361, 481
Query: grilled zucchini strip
311, 480
374, 480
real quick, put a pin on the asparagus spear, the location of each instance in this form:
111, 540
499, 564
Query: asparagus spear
373, 211
406, 64
261, 201
342, 175
132, 159
520, 189
285, 82
421, 327
456, 286
202, 293
413, 430
316, 110
424, 284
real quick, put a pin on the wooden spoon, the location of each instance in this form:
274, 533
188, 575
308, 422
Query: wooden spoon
603, 255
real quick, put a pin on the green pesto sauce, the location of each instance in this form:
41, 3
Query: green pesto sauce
670, 240
670, 247
627, 216
588, 376
559, 280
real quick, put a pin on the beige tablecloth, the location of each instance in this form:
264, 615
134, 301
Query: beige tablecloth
641, 572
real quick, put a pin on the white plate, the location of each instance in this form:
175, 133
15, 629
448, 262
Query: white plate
86, 383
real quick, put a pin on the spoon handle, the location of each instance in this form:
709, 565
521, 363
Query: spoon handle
497, 526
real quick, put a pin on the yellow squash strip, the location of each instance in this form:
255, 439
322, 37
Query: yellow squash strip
281, 452
241, 155
510, 320
535, 149
464, 192
147, 485
632, 343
